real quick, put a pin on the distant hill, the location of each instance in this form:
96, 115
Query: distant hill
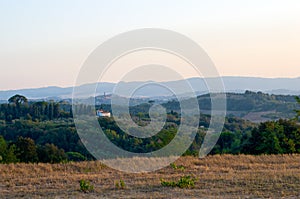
284, 86
253, 106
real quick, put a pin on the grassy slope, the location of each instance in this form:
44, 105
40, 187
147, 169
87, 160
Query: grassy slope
224, 176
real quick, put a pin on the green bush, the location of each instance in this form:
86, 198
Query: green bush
183, 182
75, 156
7, 152
179, 167
85, 186
120, 184
51, 153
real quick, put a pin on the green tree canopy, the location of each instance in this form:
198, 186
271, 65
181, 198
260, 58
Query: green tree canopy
51, 153
7, 152
26, 150
18, 99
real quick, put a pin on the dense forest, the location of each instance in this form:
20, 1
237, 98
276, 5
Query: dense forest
240, 104
45, 132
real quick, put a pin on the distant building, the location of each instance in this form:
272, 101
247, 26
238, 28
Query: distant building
102, 113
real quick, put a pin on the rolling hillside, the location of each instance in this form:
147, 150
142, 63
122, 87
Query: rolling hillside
253, 106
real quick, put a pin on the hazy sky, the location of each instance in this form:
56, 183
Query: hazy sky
44, 43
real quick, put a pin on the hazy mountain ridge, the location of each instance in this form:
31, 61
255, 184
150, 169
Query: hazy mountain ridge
286, 86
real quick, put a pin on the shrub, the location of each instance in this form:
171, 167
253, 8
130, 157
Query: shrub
168, 183
186, 182
179, 167
75, 156
120, 184
51, 153
85, 186
26, 150
183, 182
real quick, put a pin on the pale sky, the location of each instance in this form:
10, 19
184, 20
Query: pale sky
44, 43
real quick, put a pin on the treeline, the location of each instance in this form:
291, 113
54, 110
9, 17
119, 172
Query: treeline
50, 137
18, 107
272, 137
59, 133
28, 141
241, 104
25, 150
62, 134
238, 137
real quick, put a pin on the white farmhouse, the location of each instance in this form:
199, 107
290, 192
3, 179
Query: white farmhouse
102, 113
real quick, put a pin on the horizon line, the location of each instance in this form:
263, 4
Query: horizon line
70, 86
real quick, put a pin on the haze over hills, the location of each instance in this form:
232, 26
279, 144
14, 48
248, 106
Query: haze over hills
284, 86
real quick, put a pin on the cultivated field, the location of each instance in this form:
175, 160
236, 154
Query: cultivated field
225, 176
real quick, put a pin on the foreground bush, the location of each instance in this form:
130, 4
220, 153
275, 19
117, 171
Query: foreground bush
183, 182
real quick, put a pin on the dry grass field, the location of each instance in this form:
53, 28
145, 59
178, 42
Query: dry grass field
219, 176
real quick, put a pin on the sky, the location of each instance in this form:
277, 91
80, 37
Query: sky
44, 43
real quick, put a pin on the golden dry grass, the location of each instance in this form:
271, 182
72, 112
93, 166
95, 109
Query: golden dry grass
219, 176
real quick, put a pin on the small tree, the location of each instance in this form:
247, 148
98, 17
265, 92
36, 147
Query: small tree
3, 146
18, 99
26, 150
51, 153
7, 152
10, 156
